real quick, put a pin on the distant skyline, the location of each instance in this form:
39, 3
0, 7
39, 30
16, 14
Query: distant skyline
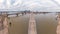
33, 5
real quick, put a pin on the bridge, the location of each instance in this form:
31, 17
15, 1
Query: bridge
21, 12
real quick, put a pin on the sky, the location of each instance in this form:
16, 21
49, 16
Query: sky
33, 5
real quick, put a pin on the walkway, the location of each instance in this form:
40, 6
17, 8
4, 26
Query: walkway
32, 25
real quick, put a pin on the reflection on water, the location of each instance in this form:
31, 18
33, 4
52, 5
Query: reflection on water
46, 24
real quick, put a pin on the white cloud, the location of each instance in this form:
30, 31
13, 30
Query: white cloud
8, 3
58, 1
1, 1
1, 4
30, 4
17, 2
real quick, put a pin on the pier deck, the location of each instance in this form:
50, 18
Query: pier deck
32, 25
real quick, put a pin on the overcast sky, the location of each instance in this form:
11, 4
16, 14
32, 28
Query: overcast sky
34, 5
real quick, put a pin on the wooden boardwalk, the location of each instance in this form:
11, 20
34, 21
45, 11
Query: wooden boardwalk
32, 25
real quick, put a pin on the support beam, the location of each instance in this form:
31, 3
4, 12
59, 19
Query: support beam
32, 25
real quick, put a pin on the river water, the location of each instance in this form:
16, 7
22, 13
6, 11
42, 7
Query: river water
45, 23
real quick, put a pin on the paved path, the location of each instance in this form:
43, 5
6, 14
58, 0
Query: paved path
32, 25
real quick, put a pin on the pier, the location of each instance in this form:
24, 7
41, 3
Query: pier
32, 25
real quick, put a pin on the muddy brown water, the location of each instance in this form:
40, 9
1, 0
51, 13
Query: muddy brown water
19, 25
45, 23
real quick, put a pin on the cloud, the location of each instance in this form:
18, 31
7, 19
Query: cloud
39, 4
1, 1
28, 4
17, 2
58, 1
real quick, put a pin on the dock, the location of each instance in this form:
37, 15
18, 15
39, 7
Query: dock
32, 25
